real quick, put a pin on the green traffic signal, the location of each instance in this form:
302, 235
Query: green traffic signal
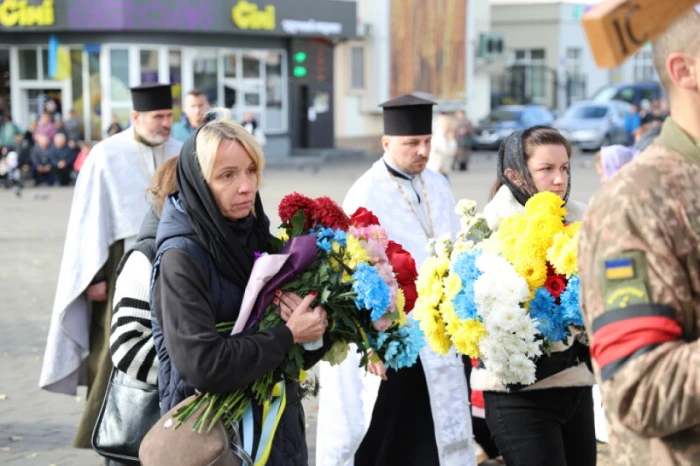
299, 71
300, 57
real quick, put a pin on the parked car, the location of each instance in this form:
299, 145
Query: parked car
632, 93
590, 125
504, 120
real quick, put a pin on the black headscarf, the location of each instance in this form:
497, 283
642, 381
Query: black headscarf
231, 244
511, 156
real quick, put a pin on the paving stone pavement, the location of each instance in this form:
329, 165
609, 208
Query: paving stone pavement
37, 427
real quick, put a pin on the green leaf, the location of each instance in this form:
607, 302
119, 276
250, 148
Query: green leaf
325, 294
298, 222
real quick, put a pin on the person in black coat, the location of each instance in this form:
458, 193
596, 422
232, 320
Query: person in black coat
64, 157
208, 235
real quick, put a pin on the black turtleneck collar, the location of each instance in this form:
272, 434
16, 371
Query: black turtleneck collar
395, 172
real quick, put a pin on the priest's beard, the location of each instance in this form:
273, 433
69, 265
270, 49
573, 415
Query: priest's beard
157, 137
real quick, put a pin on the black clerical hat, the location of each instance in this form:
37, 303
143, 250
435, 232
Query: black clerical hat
408, 115
152, 97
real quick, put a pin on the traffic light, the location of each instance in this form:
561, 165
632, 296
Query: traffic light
300, 70
491, 45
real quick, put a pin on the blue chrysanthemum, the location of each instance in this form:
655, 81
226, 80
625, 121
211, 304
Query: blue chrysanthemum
571, 303
465, 267
324, 238
341, 237
372, 293
403, 348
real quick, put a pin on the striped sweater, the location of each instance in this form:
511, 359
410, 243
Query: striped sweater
131, 342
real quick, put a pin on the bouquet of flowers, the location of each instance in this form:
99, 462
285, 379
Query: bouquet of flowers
365, 282
503, 297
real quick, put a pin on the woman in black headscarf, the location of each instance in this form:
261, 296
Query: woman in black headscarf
207, 239
551, 421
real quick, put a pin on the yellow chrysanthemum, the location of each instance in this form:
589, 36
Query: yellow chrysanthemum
400, 305
546, 203
534, 271
282, 235
466, 335
452, 286
438, 339
512, 227
355, 252
572, 229
563, 254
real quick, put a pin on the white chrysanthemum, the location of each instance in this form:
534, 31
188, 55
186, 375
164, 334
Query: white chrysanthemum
443, 246
465, 207
520, 370
493, 351
460, 247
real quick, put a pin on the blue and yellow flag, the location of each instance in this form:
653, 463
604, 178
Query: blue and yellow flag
59, 60
619, 269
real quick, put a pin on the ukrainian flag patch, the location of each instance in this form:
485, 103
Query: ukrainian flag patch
619, 269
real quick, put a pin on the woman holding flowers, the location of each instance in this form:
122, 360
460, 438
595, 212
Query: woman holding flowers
549, 421
209, 234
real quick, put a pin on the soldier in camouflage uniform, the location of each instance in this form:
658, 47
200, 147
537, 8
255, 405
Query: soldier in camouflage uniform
640, 276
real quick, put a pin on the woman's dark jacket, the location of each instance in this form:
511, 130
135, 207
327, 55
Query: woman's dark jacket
189, 297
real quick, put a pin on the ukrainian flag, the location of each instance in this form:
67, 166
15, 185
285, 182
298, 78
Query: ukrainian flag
59, 60
618, 269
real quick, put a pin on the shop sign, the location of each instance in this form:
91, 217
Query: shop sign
311, 27
246, 15
20, 13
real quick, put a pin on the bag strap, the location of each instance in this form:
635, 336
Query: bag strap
272, 413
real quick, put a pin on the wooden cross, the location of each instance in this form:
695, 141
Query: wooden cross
616, 29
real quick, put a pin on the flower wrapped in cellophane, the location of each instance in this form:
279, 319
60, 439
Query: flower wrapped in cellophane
364, 281
504, 297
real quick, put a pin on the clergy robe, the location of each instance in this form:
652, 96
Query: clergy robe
430, 396
109, 205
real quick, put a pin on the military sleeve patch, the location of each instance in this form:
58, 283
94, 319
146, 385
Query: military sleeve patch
624, 280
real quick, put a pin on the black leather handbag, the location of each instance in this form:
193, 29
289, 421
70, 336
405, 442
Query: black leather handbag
128, 412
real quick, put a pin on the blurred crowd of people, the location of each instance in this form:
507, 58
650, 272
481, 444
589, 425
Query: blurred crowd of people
643, 123
51, 151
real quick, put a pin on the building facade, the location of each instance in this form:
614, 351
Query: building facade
548, 60
273, 58
406, 46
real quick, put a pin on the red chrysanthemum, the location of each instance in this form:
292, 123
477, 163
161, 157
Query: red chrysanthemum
291, 205
330, 215
363, 218
406, 273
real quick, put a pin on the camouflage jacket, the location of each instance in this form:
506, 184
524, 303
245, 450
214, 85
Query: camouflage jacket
640, 283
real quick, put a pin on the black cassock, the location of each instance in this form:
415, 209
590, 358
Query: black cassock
401, 431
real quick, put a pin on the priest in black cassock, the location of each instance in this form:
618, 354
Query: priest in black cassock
109, 204
418, 415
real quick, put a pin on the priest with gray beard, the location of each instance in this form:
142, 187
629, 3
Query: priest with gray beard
420, 414
109, 205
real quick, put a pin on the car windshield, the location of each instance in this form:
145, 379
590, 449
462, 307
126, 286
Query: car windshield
605, 94
586, 112
504, 115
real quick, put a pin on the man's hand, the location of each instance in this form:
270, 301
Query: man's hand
97, 292
61, 164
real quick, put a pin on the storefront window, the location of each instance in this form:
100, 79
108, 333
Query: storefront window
28, 66
95, 96
149, 66
205, 75
273, 85
230, 66
76, 61
175, 71
45, 63
5, 107
123, 116
251, 65
119, 84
